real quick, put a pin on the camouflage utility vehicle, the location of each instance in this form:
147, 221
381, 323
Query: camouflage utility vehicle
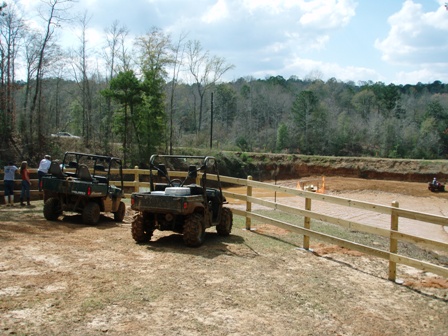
188, 205
81, 184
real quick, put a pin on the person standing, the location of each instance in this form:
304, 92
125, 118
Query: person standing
44, 165
26, 184
10, 171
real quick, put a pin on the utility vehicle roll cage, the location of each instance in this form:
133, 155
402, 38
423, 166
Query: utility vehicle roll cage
97, 163
206, 164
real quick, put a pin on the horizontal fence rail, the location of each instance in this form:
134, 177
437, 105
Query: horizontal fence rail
393, 212
131, 181
138, 179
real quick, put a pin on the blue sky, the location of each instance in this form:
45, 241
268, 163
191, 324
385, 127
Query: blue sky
392, 41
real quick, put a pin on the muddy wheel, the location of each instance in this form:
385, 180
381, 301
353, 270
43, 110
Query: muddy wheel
194, 230
52, 209
224, 226
91, 213
119, 215
142, 228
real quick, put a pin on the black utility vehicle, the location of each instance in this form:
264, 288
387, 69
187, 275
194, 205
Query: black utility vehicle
172, 204
81, 184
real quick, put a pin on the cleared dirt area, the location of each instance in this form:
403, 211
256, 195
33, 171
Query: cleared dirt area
65, 278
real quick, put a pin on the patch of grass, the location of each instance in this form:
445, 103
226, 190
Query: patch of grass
7, 212
93, 303
258, 240
4, 216
246, 158
131, 294
363, 238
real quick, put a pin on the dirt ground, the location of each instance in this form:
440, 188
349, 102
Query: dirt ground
65, 278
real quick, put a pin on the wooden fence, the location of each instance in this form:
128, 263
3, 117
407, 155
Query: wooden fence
393, 234
136, 179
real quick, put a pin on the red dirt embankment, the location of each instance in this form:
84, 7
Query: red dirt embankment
296, 166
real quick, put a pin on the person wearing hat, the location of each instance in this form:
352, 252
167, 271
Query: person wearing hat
44, 165
9, 171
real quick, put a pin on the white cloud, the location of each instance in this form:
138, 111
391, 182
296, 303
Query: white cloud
292, 37
217, 12
303, 67
257, 6
415, 37
423, 75
27, 5
262, 26
325, 14
94, 38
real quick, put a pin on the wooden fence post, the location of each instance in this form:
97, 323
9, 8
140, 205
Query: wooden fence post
136, 179
248, 204
307, 225
393, 245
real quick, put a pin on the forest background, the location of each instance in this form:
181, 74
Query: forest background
157, 93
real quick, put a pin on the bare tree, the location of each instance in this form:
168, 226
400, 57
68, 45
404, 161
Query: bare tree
12, 29
58, 105
115, 37
153, 51
53, 18
32, 47
124, 55
81, 73
206, 70
178, 52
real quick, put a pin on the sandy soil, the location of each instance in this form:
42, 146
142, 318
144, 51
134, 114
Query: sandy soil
64, 278
409, 195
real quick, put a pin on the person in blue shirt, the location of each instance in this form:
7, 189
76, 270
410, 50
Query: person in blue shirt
10, 171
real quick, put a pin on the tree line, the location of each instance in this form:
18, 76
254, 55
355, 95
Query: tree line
156, 92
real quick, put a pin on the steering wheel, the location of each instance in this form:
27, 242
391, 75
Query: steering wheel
176, 183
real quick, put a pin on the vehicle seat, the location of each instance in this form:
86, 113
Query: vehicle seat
55, 170
213, 197
195, 189
84, 173
160, 186
114, 191
101, 179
